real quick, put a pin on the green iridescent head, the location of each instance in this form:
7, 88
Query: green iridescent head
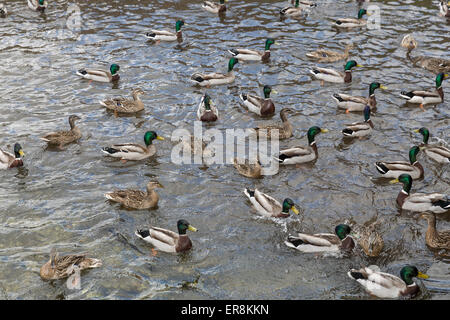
231, 63
41, 2
409, 272
425, 133
342, 231
406, 180
350, 64
361, 12
297, 3
313, 131
269, 42
18, 152
413, 154
288, 204
114, 68
183, 225
178, 25
439, 78
267, 90
150, 136
375, 85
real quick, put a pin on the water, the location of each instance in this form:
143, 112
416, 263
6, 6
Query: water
56, 199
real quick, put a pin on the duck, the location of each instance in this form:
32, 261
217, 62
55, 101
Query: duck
37, 5
3, 10
437, 153
427, 97
101, 75
133, 151
443, 9
166, 240
158, 35
267, 206
260, 106
247, 168
298, 154
352, 22
419, 202
394, 169
207, 111
124, 105
331, 75
435, 65
294, 11
322, 55
385, 285
136, 199
188, 146
369, 239
358, 103
8, 160
304, 4
215, 7
435, 239
253, 55
323, 242
62, 267
359, 129
210, 79
60, 139
284, 130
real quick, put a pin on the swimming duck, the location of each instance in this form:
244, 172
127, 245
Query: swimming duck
369, 240
261, 106
136, 199
294, 11
124, 105
305, 4
427, 97
62, 267
385, 285
3, 10
207, 111
352, 22
158, 35
247, 168
253, 55
8, 160
101, 75
210, 79
394, 169
331, 75
358, 103
435, 65
433, 238
322, 55
298, 154
284, 130
323, 242
437, 153
267, 206
359, 129
37, 5
443, 9
133, 151
166, 240
215, 7
420, 202
62, 138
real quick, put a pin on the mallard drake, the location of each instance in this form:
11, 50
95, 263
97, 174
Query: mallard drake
322, 55
62, 138
207, 111
433, 238
267, 206
3, 10
435, 65
8, 160
261, 106
331, 75
420, 202
284, 130
101, 75
323, 242
136, 199
304, 4
359, 129
210, 79
427, 97
158, 35
166, 240
62, 267
247, 168
437, 153
369, 239
294, 11
394, 169
253, 55
352, 22
124, 105
37, 5
443, 9
215, 7
385, 285
358, 103
133, 151
298, 154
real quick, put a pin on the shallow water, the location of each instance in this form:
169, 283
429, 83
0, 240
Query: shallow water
56, 199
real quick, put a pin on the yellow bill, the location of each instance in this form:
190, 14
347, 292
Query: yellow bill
159, 138
417, 130
323, 130
422, 275
274, 91
294, 209
191, 228
394, 181
359, 65
21, 153
383, 87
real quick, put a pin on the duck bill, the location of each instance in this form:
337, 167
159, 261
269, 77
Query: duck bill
21, 153
359, 65
159, 138
295, 210
422, 275
394, 181
323, 130
383, 87
191, 228
445, 75
274, 92
417, 130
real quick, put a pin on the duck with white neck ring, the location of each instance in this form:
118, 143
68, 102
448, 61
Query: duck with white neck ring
438, 153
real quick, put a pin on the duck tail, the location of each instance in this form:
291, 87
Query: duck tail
243, 96
355, 274
347, 132
293, 242
337, 97
109, 150
406, 95
442, 203
82, 72
249, 193
142, 233
381, 167
234, 52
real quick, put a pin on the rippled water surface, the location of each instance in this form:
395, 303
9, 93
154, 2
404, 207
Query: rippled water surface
56, 199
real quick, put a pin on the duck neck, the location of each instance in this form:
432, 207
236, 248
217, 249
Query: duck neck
441, 92
151, 193
136, 96
72, 124
348, 76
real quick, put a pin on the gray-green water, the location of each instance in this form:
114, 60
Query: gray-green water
56, 199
